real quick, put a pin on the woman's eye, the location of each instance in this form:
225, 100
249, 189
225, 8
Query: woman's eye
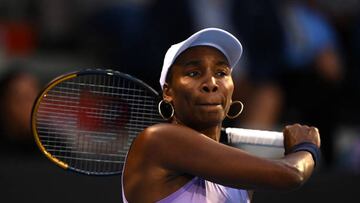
193, 73
221, 73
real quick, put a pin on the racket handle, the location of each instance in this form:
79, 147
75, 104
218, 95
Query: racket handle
255, 137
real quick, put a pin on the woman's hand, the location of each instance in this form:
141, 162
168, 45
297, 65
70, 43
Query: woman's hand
296, 134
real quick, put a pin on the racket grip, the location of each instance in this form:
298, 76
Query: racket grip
255, 137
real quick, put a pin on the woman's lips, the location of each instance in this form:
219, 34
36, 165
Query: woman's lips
210, 106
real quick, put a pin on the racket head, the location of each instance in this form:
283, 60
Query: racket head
86, 121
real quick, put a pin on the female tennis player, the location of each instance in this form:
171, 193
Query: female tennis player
183, 161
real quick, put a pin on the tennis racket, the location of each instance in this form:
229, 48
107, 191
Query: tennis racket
86, 121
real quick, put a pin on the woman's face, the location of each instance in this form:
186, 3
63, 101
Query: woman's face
200, 88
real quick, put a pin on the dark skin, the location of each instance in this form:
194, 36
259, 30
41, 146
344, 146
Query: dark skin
164, 157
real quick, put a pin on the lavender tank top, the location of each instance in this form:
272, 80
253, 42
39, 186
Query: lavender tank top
199, 190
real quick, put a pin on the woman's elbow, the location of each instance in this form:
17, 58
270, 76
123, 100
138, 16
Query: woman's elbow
296, 172
295, 178
296, 181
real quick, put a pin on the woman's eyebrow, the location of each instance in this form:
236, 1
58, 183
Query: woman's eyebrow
193, 62
223, 63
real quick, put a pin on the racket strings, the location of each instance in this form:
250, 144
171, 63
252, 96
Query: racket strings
90, 121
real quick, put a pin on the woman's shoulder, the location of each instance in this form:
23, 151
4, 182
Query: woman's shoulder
156, 130
161, 135
153, 134
165, 129
149, 146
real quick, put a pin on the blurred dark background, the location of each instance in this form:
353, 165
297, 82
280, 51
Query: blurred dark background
301, 64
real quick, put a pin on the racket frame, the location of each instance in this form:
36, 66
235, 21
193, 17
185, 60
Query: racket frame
65, 77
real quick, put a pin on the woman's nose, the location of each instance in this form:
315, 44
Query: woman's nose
209, 85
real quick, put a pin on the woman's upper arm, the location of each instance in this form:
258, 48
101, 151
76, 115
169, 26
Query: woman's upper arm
184, 150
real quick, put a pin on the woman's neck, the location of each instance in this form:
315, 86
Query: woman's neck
213, 133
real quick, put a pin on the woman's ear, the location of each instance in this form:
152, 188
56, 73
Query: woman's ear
167, 93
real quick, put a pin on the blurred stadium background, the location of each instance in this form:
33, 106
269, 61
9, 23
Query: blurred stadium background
301, 64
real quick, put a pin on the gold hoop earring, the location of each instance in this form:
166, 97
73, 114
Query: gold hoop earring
238, 113
165, 105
